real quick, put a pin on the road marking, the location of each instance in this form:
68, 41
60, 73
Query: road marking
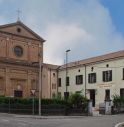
117, 125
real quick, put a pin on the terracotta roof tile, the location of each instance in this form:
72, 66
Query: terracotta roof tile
50, 66
95, 59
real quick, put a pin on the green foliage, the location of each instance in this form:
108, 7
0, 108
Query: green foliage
77, 99
74, 100
26, 101
118, 100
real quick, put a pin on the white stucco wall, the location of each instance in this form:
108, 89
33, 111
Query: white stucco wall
116, 65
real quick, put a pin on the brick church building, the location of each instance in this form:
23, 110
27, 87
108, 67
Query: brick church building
19, 57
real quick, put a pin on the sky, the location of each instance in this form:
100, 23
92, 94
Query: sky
87, 27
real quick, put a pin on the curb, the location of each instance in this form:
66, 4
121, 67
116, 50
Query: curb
50, 117
119, 124
43, 117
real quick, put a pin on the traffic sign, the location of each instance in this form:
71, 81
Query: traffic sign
33, 91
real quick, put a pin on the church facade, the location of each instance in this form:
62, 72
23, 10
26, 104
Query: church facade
19, 61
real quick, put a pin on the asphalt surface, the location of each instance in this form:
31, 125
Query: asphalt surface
20, 121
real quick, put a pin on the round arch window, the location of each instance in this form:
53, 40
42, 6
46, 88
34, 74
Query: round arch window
18, 51
18, 30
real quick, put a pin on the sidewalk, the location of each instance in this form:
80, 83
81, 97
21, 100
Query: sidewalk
120, 125
95, 114
48, 117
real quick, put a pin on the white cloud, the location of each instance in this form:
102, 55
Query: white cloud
61, 37
83, 26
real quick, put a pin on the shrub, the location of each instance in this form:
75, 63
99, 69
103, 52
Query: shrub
28, 101
118, 100
77, 99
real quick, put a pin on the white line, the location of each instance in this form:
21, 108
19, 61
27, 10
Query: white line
117, 125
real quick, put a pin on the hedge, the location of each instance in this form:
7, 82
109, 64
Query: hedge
7, 100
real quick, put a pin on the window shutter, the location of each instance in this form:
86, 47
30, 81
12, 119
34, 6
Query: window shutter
123, 74
95, 77
59, 81
76, 79
67, 81
103, 76
81, 79
111, 75
88, 78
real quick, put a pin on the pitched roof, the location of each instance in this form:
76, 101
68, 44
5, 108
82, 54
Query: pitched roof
51, 66
24, 26
92, 60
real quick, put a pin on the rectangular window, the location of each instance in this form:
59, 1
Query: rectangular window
107, 76
121, 92
79, 79
2, 84
67, 81
107, 94
53, 86
123, 74
53, 95
59, 94
59, 82
18, 93
92, 78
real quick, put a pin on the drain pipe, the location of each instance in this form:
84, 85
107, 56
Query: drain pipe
85, 79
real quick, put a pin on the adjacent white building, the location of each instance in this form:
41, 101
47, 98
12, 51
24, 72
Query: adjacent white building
98, 78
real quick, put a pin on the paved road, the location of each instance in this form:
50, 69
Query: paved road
102, 121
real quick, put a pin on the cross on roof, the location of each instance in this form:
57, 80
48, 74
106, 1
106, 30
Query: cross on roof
18, 14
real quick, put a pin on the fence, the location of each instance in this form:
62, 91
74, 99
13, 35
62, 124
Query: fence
118, 109
45, 109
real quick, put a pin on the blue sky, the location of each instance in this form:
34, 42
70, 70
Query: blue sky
87, 27
116, 9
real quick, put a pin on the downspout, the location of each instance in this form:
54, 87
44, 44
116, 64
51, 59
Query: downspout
85, 79
57, 82
50, 82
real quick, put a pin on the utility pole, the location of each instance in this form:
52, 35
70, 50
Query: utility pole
40, 76
39, 82
66, 73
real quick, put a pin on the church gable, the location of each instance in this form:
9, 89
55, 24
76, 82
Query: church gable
20, 29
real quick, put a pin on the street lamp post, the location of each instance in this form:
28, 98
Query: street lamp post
40, 84
40, 69
66, 96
